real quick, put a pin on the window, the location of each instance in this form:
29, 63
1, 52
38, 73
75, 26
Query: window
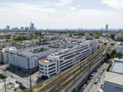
41, 72
41, 68
51, 71
52, 68
52, 74
51, 65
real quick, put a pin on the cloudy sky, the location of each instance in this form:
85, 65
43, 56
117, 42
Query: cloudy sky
62, 13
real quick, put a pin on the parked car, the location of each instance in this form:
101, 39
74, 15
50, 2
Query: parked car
82, 88
93, 74
96, 81
17, 82
101, 72
13, 76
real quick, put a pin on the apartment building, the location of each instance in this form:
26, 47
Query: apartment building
60, 61
28, 59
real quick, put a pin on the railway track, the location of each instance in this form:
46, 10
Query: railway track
79, 74
64, 79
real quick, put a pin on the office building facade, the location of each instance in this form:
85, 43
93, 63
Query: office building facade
60, 61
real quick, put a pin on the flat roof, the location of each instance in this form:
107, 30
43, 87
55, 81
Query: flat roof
117, 66
63, 51
28, 52
114, 78
45, 61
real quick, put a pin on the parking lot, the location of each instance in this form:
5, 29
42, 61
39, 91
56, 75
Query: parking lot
14, 77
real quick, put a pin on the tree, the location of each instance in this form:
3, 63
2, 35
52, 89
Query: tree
112, 36
80, 34
97, 37
70, 35
8, 36
120, 40
118, 55
113, 52
21, 38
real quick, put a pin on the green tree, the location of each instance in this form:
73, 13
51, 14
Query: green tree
112, 36
70, 35
118, 55
120, 40
8, 36
21, 38
79, 34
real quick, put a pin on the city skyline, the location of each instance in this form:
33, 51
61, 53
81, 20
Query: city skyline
32, 27
62, 14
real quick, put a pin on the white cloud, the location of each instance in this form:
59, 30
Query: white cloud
73, 8
64, 2
20, 14
118, 4
26, 8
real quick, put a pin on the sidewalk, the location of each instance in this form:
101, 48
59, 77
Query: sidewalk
1, 86
100, 90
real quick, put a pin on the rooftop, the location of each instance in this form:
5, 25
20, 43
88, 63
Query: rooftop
63, 51
120, 44
35, 51
117, 66
45, 61
114, 78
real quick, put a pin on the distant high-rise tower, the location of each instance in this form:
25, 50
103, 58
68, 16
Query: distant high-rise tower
106, 27
21, 28
32, 26
7, 27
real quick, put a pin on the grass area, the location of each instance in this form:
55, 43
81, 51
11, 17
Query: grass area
10, 83
35, 87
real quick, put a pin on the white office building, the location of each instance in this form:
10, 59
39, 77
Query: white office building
60, 61
4, 54
28, 59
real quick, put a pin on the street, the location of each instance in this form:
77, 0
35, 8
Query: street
92, 87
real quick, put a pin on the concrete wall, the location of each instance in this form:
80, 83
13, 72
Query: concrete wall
86, 75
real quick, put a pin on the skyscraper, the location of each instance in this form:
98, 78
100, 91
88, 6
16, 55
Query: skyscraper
7, 27
106, 27
21, 28
32, 26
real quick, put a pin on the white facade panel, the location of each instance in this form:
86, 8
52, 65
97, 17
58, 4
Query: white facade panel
69, 57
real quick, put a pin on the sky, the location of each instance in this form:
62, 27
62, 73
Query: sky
62, 14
